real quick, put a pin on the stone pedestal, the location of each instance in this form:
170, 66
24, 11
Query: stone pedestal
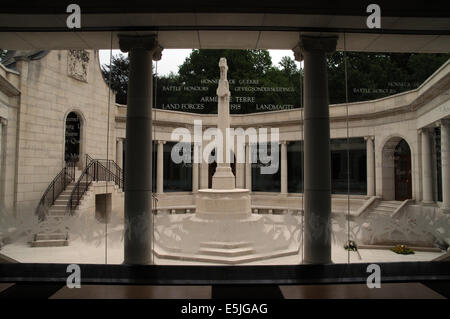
223, 204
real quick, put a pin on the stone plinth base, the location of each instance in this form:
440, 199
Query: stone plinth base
223, 203
223, 178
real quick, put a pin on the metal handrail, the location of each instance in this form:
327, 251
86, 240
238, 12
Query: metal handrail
95, 170
98, 170
54, 189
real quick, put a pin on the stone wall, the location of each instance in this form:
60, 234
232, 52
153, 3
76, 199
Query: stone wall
51, 87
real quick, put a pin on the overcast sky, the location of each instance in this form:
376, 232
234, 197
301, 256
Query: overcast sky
172, 59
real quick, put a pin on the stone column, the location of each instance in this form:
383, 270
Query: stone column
204, 166
119, 152
284, 169
160, 168
445, 164
194, 172
427, 180
317, 157
248, 167
370, 162
240, 167
138, 224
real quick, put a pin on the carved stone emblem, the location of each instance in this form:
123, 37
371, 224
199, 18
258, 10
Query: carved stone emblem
77, 64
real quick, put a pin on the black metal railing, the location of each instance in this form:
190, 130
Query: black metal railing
154, 204
96, 170
56, 187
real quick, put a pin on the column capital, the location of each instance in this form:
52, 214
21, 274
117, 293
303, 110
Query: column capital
314, 43
284, 142
161, 142
149, 42
443, 122
423, 130
371, 137
3, 121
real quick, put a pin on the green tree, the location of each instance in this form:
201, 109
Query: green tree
375, 75
118, 71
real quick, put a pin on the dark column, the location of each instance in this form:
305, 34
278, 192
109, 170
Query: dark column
138, 157
317, 158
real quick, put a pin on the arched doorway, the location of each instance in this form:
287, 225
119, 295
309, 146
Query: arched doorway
396, 170
72, 138
213, 165
403, 182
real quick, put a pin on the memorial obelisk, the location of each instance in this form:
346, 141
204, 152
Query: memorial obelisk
223, 200
223, 177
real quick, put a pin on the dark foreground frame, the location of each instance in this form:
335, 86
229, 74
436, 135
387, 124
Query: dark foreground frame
225, 275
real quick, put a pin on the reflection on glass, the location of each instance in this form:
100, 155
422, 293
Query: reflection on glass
62, 161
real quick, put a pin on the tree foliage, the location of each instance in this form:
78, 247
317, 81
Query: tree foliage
118, 71
369, 76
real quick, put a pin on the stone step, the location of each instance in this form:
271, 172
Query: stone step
56, 211
50, 243
62, 202
59, 213
161, 253
385, 209
395, 202
392, 207
51, 218
227, 252
224, 245
50, 236
381, 212
51, 229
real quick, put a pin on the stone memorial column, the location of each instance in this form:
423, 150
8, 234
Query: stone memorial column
370, 162
317, 166
427, 181
138, 225
160, 167
284, 169
445, 164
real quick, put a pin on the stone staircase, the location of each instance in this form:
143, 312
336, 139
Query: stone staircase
384, 207
50, 233
225, 253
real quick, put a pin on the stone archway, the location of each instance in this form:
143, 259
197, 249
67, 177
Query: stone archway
396, 170
72, 138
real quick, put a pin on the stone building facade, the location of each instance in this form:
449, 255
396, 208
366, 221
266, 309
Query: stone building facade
38, 91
